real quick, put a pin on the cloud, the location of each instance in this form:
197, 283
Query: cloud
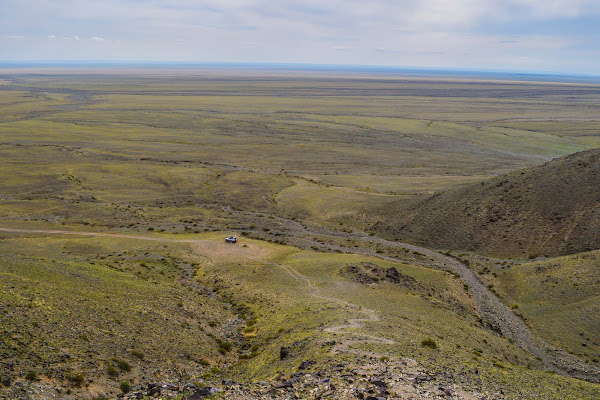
386, 32
557, 8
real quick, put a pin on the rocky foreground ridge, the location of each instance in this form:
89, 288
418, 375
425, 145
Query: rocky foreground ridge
373, 380
366, 378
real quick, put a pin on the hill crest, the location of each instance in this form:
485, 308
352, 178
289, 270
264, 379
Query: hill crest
552, 209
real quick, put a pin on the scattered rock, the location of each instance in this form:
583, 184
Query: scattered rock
367, 378
370, 273
378, 382
204, 392
306, 364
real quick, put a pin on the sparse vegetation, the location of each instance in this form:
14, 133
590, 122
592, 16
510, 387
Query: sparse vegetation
129, 157
528, 203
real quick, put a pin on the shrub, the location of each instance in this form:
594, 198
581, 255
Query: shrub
429, 343
137, 354
112, 371
125, 387
225, 347
76, 378
31, 376
124, 365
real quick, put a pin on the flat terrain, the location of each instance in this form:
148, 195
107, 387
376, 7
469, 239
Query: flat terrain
118, 188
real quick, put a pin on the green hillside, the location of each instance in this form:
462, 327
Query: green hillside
559, 299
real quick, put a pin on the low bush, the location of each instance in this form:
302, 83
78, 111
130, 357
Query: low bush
125, 387
429, 343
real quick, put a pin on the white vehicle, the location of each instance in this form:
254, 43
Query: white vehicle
231, 239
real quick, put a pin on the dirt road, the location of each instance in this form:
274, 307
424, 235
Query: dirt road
352, 323
346, 329
491, 309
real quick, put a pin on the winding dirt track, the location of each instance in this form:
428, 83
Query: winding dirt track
491, 309
117, 235
353, 323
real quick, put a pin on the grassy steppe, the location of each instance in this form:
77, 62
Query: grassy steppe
201, 156
124, 139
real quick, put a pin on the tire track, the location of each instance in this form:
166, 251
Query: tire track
352, 323
491, 309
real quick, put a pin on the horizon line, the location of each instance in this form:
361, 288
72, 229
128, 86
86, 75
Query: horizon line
290, 66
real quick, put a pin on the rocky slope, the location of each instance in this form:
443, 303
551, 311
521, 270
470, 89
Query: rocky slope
552, 209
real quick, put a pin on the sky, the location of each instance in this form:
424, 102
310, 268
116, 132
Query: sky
548, 36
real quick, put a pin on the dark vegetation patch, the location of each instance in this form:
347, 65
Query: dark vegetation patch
430, 343
370, 273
